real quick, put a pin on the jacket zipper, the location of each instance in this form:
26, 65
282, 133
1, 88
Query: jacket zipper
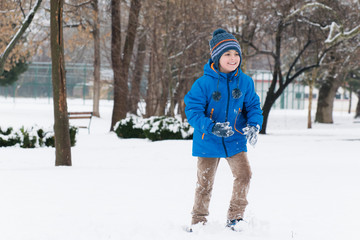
227, 111
239, 112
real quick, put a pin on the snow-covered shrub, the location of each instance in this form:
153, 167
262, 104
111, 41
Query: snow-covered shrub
7, 139
50, 140
129, 128
31, 138
41, 135
162, 128
27, 140
7, 132
153, 128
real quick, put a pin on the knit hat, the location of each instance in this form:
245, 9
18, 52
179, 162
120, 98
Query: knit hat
222, 42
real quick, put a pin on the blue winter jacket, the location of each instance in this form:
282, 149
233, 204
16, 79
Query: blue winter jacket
203, 111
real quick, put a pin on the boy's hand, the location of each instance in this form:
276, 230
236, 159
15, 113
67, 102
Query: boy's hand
222, 130
251, 133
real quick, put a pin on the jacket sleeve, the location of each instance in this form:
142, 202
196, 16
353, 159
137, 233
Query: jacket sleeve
252, 105
195, 109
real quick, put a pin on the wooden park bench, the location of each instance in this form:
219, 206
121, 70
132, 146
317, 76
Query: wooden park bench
81, 115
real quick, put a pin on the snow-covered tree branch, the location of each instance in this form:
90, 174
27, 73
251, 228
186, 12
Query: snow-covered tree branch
306, 6
336, 35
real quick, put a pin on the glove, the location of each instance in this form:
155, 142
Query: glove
251, 133
222, 130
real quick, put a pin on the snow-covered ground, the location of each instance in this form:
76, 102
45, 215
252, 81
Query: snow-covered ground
305, 183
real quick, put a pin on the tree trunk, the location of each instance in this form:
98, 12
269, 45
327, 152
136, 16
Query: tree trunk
152, 87
327, 93
97, 60
150, 92
139, 69
61, 125
164, 91
116, 57
272, 94
121, 88
168, 76
18, 35
269, 101
350, 100
311, 87
357, 113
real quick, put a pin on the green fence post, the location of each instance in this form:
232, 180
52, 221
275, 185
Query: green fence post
49, 82
35, 81
262, 88
294, 99
300, 98
14, 91
84, 87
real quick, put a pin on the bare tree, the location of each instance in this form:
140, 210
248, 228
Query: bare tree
61, 125
16, 38
97, 58
134, 96
121, 60
84, 19
344, 33
116, 58
353, 85
357, 112
178, 33
311, 83
284, 74
294, 26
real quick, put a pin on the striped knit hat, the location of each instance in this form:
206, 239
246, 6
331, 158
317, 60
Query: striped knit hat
222, 42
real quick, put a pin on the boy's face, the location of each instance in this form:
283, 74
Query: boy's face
229, 61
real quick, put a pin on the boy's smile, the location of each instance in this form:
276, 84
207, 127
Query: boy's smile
229, 61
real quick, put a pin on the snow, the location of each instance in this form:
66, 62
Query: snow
305, 182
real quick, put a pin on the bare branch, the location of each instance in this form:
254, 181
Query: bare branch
297, 58
264, 52
308, 5
18, 35
78, 5
21, 8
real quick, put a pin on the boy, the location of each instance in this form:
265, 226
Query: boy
225, 112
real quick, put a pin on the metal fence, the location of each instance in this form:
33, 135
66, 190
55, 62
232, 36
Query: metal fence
36, 83
293, 96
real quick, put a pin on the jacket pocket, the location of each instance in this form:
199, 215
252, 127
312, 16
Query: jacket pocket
211, 114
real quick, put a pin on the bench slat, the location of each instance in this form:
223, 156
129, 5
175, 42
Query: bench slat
80, 117
80, 113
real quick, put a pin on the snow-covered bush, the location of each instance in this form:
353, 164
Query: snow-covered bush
8, 139
32, 138
130, 127
153, 128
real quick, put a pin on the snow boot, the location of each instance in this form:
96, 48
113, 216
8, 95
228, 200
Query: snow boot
237, 225
195, 226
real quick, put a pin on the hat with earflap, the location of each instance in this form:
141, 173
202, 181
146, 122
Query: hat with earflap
221, 42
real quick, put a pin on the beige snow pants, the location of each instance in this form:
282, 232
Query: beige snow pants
206, 169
